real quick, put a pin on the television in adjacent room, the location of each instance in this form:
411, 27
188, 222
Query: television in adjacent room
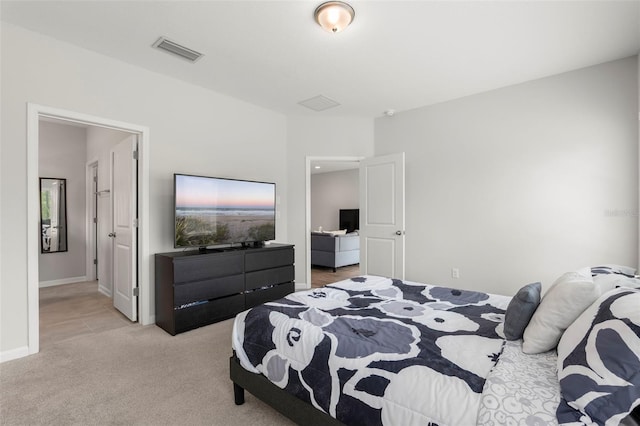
213, 211
350, 219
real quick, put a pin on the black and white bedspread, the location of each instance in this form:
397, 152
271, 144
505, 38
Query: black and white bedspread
377, 351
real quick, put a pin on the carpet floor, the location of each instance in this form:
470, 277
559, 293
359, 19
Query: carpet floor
131, 375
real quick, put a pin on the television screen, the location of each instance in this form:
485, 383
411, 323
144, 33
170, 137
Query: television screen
350, 219
214, 211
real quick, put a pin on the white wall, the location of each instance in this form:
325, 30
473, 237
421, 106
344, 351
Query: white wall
322, 136
192, 130
523, 183
62, 155
100, 142
331, 192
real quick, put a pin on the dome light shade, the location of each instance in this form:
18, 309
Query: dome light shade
334, 16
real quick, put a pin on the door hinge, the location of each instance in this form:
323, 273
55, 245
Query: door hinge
95, 261
95, 220
136, 291
135, 222
95, 178
135, 154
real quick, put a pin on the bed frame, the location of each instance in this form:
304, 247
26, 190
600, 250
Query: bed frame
259, 386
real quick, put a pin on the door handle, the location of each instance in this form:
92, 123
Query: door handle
399, 232
111, 234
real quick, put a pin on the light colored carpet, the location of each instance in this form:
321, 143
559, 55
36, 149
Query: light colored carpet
132, 375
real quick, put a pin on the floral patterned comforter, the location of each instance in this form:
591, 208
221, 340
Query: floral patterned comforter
378, 351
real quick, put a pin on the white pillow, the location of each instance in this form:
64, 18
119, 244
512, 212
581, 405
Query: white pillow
338, 232
567, 298
607, 282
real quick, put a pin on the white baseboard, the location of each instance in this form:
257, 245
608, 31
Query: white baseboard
302, 286
104, 290
152, 320
14, 354
62, 281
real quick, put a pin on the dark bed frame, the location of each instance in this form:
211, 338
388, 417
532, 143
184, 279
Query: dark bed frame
259, 386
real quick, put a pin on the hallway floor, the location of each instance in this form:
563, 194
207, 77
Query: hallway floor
72, 310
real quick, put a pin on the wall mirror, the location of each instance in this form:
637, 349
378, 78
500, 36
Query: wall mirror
53, 215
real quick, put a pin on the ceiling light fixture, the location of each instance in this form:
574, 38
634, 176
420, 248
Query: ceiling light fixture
334, 16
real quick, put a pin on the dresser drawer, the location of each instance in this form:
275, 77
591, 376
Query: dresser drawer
269, 277
257, 297
264, 259
202, 267
208, 313
207, 289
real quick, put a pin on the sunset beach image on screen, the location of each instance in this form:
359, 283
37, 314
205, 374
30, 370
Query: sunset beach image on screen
211, 211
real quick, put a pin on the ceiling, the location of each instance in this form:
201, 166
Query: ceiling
397, 55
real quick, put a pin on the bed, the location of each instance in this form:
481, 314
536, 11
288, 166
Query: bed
379, 351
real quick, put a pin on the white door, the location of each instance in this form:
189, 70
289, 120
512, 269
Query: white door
123, 198
382, 216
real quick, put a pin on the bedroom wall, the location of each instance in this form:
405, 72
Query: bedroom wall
322, 136
522, 183
192, 130
62, 155
331, 192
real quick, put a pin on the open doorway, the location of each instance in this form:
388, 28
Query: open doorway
36, 113
332, 247
76, 284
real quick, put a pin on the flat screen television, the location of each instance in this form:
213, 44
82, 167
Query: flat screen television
350, 219
212, 211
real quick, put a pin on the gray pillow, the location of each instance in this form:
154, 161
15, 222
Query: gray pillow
520, 310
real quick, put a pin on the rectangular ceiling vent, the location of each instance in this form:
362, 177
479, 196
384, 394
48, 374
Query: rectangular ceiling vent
176, 49
319, 103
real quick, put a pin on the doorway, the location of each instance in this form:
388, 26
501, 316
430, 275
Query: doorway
326, 165
34, 114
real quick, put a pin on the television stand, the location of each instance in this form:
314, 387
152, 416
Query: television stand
196, 288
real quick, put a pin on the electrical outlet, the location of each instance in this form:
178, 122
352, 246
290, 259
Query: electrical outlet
455, 273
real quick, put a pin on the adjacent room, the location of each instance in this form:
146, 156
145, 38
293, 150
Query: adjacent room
296, 212
335, 220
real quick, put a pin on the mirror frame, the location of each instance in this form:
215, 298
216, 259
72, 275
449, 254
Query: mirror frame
63, 244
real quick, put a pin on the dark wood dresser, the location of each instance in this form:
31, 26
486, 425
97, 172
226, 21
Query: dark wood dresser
195, 288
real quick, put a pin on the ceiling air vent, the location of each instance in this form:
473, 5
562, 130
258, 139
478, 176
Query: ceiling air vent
176, 49
319, 103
